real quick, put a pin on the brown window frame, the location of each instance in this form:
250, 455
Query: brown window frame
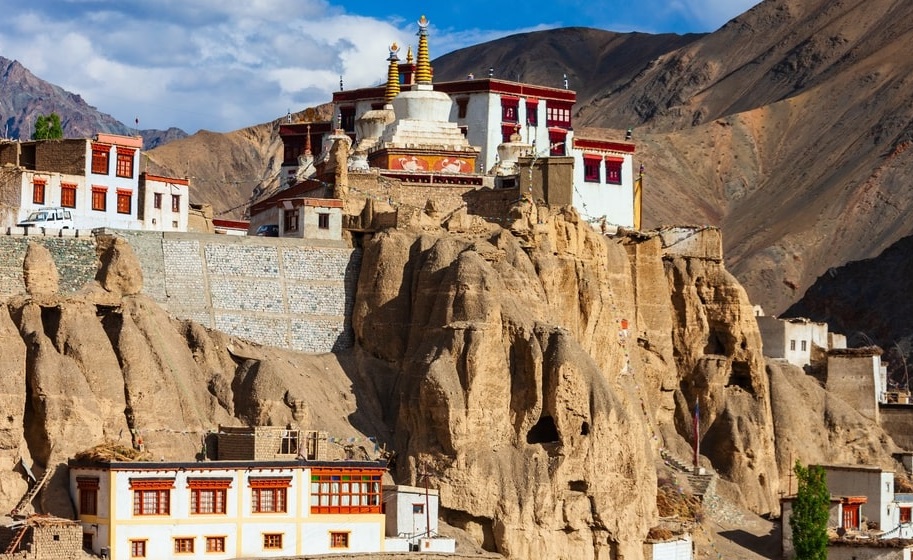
124, 201
158, 493
184, 545
339, 539
272, 541
275, 489
39, 187
157, 200
124, 166
138, 548
88, 495
68, 195
290, 219
99, 198
208, 494
175, 203
215, 544
334, 490
101, 159
323, 220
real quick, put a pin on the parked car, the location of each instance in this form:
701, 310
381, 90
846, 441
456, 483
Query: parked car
56, 218
268, 230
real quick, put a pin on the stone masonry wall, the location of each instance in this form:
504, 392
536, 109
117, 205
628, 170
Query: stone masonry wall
281, 292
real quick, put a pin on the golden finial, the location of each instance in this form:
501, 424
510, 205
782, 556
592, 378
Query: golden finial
409, 58
423, 66
392, 89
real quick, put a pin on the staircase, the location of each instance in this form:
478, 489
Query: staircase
700, 483
17, 538
33, 491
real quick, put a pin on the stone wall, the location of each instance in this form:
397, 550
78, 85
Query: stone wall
896, 420
281, 292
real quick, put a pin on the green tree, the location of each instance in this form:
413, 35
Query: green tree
48, 127
810, 513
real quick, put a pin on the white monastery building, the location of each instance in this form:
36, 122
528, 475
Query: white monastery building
95, 181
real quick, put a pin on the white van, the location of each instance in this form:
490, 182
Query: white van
55, 218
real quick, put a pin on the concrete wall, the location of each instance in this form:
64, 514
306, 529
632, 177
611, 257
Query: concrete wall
896, 420
280, 292
693, 242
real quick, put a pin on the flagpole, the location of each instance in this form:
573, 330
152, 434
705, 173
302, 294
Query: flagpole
697, 434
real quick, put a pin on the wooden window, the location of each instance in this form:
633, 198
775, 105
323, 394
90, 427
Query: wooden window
215, 544
289, 443
804, 347
323, 220
905, 515
138, 548
183, 545
88, 495
175, 203
532, 113
462, 107
208, 495
792, 344
125, 162
591, 166
151, 496
157, 200
291, 219
269, 495
345, 491
347, 118
339, 539
68, 195
613, 170
124, 201
272, 540
510, 109
100, 155
99, 198
850, 516
556, 140
38, 190
558, 114
87, 540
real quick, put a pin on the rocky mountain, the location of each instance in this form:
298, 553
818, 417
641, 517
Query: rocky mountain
536, 371
24, 96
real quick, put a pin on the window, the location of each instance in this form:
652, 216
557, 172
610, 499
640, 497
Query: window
345, 491
125, 162
532, 113
124, 201
99, 198
339, 539
289, 443
100, 155
88, 495
138, 549
558, 115
291, 220
175, 203
268, 495
418, 508
151, 496
68, 195
38, 190
591, 166
556, 140
323, 220
272, 540
207, 495
510, 109
183, 545
462, 107
803, 346
215, 544
87, 539
157, 200
613, 170
905, 515
347, 118
792, 344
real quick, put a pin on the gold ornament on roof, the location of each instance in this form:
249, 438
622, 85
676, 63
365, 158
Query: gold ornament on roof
423, 66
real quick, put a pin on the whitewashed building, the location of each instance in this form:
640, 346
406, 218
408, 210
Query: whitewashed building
677, 548
228, 509
97, 180
799, 341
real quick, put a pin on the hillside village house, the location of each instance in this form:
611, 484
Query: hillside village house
467, 135
96, 180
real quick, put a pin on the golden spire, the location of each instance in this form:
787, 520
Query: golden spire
392, 75
423, 66
409, 58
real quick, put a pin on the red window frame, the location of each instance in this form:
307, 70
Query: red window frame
88, 495
99, 198
269, 495
591, 165
906, 515
208, 495
125, 162
101, 155
124, 201
613, 170
68, 195
532, 113
557, 114
346, 490
138, 548
38, 188
510, 109
556, 142
151, 496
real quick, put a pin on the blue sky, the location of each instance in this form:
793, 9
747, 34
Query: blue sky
225, 64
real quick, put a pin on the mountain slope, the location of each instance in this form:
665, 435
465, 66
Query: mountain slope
24, 96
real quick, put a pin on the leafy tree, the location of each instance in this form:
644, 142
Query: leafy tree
48, 127
810, 513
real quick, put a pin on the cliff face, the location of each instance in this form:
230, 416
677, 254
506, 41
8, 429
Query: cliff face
526, 377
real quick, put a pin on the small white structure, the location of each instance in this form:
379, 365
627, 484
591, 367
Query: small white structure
412, 519
877, 486
678, 548
165, 202
798, 341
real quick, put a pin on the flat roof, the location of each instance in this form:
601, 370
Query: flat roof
226, 465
